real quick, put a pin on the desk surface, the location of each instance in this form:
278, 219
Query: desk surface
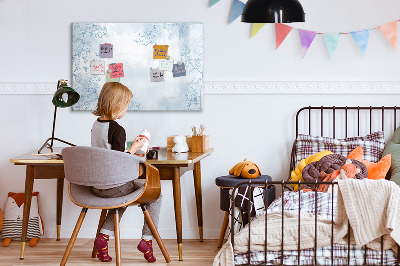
164, 157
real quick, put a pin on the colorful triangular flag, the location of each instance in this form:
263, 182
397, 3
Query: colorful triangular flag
361, 37
332, 41
389, 30
281, 31
306, 39
256, 27
237, 9
213, 2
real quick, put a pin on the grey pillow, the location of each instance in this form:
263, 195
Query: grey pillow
393, 148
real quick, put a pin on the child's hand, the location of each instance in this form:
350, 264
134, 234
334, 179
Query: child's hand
143, 155
137, 144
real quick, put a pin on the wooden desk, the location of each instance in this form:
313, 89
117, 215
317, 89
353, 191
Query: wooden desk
169, 165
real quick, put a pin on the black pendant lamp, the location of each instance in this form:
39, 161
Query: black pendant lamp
273, 11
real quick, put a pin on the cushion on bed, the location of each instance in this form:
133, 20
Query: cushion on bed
372, 144
296, 174
393, 148
328, 164
375, 170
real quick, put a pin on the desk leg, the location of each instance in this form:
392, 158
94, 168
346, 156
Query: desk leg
60, 190
199, 204
176, 182
27, 206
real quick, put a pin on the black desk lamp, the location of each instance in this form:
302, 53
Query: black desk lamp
273, 11
65, 96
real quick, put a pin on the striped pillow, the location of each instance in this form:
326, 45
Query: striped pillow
372, 145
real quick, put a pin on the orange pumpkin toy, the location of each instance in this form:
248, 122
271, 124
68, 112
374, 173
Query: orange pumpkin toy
245, 169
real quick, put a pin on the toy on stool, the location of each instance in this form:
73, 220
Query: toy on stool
13, 215
245, 169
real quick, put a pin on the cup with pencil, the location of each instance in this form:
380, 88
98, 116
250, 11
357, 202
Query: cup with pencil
199, 140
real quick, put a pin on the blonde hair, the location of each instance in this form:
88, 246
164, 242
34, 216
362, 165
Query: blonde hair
113, 97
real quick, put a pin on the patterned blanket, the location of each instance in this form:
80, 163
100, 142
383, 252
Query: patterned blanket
321, 205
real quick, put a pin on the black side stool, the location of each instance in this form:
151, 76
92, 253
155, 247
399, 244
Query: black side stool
226, 183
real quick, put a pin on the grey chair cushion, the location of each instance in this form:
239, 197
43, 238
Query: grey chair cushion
83, 196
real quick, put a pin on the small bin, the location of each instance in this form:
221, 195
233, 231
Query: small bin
200, 143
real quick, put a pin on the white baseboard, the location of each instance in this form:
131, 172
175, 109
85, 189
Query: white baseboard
247, 87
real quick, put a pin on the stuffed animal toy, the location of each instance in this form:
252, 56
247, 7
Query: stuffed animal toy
13, 215
245, 169
375, 170
180, 144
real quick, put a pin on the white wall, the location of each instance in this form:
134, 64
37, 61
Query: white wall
35, 40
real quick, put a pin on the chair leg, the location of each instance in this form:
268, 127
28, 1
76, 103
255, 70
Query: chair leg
223, 229
73, 237
154, 230
101, 222
117, 238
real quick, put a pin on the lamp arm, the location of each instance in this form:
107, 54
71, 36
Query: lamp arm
54, 126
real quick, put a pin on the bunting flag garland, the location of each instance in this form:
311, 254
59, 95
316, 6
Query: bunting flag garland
213, 2
306, 39
256, 28
389, 30
361, 37
281, 31
332, 41
237, 9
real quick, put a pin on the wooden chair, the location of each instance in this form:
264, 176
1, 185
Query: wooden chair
85, 167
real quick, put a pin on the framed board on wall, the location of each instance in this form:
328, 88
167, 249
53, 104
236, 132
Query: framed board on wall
161, 63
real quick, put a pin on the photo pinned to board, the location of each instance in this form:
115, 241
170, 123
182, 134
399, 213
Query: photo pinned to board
106, 50
97, 67
110, 79
117, 70
166, 64
160, 51
179, 70
156, 75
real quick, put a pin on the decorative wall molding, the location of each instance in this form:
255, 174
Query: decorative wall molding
250, 87
302, 87
28, 88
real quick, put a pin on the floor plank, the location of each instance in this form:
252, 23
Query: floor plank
50, 252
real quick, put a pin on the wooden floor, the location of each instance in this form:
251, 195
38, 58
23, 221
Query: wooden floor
50, 252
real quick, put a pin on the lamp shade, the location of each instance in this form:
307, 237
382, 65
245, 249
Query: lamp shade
65, 96
273, 11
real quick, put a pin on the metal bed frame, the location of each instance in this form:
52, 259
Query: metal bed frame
283, 184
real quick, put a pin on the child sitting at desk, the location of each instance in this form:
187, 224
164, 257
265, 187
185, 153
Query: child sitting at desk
113, 103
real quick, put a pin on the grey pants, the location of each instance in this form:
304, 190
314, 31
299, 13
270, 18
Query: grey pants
154, 208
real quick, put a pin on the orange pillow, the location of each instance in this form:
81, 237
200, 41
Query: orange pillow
375, 170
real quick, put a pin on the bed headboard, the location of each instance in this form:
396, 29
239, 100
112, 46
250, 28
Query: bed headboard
344, 121
347, 115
